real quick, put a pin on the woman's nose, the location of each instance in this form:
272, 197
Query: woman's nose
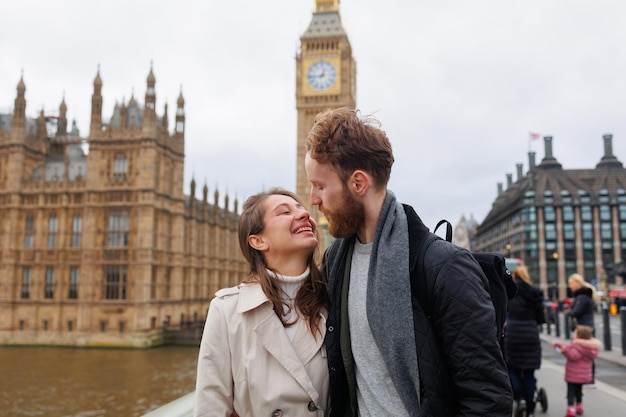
302, 214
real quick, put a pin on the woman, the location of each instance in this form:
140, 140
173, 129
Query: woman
522, 345
583, 306
261, 352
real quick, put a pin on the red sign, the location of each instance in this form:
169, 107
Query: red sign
617, 292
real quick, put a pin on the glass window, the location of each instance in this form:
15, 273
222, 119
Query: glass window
529, 215
585, 213
547, 197
120, 166
584, 197
115, 282
605, 231
118, 229
49, 288
569, 233
603, 196
587, 231
29, 231
605, 212
549, 214
53, 230
566, 197
25, 293
568, 213
73, 287
77, 227
550, 231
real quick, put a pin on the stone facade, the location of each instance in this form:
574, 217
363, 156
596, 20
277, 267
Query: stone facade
102, 248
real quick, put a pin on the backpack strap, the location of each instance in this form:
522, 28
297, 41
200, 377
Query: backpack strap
448, 229
420, 285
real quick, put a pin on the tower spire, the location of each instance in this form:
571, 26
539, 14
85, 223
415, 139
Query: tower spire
18, 126
62, 127
149, 111
179, 129
96, 106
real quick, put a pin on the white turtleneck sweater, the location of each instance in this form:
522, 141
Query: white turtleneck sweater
290, 285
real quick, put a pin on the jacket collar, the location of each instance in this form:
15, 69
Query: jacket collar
250, 297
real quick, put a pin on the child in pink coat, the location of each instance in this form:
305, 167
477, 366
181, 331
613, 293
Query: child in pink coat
580, 355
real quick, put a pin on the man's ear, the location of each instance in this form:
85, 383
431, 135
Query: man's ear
257, 242
359, 182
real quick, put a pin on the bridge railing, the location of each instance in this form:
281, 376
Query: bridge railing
181, 407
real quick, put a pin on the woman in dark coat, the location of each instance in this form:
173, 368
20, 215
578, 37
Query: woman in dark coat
583, 305
522, 346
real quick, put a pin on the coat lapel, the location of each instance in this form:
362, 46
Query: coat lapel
291, 357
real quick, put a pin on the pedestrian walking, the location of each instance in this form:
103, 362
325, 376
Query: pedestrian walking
522, 345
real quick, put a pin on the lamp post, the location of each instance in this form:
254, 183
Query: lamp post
555, 257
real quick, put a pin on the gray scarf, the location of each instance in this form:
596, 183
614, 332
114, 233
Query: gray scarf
389, 303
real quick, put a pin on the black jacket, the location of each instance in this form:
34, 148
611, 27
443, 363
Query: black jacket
462, 371
522, 345
583, 307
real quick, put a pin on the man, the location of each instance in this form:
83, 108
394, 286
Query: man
385, 357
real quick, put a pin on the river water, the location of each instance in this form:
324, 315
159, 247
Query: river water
60, 382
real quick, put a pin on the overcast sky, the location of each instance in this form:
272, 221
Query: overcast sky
457, 85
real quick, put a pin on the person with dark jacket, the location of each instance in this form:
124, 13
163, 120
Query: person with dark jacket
583, 305
385, 356
522, 345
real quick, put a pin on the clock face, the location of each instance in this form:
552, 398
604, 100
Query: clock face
321, 75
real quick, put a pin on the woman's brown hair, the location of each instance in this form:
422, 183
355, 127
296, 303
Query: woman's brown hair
312, 296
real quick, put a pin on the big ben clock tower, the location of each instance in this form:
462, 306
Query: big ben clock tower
325, 77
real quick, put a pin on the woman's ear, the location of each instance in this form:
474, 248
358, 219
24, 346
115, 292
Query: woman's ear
257, 242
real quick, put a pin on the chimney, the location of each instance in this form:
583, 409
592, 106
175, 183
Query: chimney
499, 189
609, 160
547, 143
549, 161
531, 161
509, 180
608, 144
520, 172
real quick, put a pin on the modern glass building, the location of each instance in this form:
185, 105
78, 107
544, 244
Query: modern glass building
561, 222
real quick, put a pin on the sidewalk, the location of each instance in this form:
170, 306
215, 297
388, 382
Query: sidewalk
605, 400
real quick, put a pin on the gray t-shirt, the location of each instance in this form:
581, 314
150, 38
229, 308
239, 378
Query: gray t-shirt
376, 395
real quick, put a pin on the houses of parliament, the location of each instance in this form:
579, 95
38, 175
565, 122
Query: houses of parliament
102, 248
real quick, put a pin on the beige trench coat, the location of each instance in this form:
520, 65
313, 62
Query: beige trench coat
248, 364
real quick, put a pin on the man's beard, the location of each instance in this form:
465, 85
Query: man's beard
346, 219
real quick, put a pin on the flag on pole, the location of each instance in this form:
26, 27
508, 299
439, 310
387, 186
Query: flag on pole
534, 136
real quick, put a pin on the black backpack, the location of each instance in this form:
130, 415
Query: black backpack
501, 285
